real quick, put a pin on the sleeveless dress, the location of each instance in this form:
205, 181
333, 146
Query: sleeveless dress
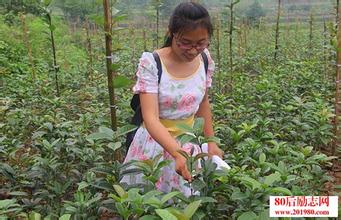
179, 98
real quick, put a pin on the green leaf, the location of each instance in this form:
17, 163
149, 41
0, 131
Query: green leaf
262, 158
47, 2
65, 217
198, 185
236, 2
34, 216
281, 167
119, 18
207, 199
148, 217
99, 20
151, 194
7, 171
157, 158
18, 193
269, 180
115, 67
236, 195
99, 136
185, 138
71, 209
124, 130
247, 216
183, 153
115, 146
4, 204
185, 128
120, 191
191, 208
165, 214
337, 187
250, 181
163, 164
114, 11
282, 190
199, 156
106, 130
153, 201
198, 125
264, 215
168, 196
82, 185
122, 210
212, 139
93, 200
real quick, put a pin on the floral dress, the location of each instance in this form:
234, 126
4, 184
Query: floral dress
179, 98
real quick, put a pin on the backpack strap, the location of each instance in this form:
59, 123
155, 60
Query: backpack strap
205, 59
158, 65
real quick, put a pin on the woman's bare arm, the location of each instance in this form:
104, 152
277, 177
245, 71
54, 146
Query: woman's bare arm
204, 111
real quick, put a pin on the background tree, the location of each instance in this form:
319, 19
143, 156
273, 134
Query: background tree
254, 13
47, 16
231, 6
24, 6
157, 4
277, 29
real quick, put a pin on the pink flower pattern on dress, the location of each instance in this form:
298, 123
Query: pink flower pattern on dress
137, 152
186, 103
167, 156
150, 139
158, 184
144, 62
189, 148
167, 102
143, 76
175, 179
141, 86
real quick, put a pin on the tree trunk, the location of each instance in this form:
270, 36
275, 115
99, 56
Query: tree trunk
231, 44
157, 26
218, 53
27, 44
55, 66
132, 42
109, 57
325, 52
245, 34
310, 34
277, 29
89, 48
144, 39
337, 121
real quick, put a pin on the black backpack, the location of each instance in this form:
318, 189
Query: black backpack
135, 101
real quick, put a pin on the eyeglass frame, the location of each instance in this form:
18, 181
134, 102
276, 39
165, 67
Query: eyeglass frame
181, 44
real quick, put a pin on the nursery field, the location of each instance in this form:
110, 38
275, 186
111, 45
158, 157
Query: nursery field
62, 142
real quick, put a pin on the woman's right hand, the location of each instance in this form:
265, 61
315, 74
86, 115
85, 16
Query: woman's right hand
181, 167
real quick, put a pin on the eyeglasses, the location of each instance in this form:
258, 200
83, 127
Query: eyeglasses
188, 46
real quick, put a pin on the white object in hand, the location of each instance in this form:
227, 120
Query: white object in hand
215, 159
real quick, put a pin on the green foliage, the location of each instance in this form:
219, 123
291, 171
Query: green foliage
132, 205
26, 6
254, 13
57, 153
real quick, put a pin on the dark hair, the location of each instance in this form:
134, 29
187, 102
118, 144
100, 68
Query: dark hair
187, 16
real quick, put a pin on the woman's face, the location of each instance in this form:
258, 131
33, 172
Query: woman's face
190, 44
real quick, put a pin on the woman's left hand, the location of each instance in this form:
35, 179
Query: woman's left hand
213, 149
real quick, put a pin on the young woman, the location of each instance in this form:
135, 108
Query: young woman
181, 95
